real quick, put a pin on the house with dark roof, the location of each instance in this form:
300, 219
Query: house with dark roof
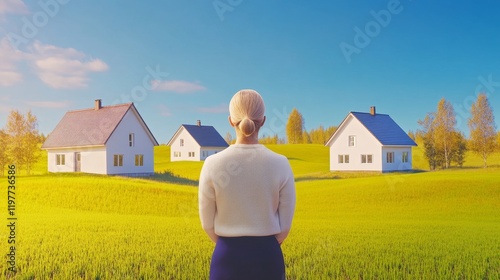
111, 140
195, 142
370, 142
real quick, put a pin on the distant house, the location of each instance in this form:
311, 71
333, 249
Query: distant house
112, 140
195, 142
370, 142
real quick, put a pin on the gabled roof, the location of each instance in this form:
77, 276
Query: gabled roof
383, 127
204, 135
90, 127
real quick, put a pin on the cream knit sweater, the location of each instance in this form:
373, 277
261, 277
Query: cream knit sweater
246, 190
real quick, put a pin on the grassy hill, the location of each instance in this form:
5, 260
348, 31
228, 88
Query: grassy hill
427, 225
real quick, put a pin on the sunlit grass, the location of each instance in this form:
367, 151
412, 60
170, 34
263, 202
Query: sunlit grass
426, 225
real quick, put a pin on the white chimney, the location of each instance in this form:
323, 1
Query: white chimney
373, 111
97, 104
198, 123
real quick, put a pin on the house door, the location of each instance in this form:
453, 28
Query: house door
78, 162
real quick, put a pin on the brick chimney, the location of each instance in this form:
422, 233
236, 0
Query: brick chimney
373, 111
198, 123
97, 104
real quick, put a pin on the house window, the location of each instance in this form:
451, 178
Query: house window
366, 158
60, 159
177, 154
117, 160
343, 158
131, 140
139, 160
405, 157
390, 157
352, 140
182, 142
191, 154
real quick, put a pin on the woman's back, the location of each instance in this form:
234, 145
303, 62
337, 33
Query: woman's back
248, 181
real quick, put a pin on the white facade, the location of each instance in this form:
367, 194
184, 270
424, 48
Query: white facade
354, 148
78, 159
129, 150
183, 147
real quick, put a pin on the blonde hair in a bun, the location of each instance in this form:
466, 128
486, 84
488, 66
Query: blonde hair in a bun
246, 108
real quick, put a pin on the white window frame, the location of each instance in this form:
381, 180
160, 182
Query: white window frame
181, 142
405, 157
131, 139
117, 160
390, 157
366, 159
351, 141
139, 160
60, 159
343, 159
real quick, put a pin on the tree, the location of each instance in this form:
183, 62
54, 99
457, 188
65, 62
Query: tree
4, 142
228, 138
460, 144
482, 128
269, 139
23, 139
427, 136
321, 135
444, 129
498, 141
305, 137
295, 127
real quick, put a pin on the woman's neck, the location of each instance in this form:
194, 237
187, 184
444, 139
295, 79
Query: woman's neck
252, 139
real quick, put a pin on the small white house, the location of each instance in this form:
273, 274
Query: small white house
370, 142
195, 142
111, 140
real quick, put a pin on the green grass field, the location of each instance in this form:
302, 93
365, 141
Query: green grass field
422, 225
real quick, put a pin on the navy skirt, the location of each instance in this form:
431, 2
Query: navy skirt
247, 257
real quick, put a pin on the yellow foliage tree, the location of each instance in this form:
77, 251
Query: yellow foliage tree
482, 128
295, 127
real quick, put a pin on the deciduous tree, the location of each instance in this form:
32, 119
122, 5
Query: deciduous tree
444, 126
23, 139
295, 127
4, 142
482, 128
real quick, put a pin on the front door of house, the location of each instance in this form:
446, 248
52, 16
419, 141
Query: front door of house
78, 162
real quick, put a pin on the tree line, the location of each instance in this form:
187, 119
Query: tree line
19, 141
443, 144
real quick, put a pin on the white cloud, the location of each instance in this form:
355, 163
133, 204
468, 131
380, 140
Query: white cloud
48, 104
13, 7
176, 86
60, 68
9, 57
64, 68
164, 111
222, 108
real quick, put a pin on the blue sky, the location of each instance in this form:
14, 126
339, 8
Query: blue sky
181, 61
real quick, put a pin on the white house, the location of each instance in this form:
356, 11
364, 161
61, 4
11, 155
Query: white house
195, 142
370, 142
111, 140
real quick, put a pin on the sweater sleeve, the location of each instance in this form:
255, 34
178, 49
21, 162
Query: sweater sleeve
286, 206
206, 201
